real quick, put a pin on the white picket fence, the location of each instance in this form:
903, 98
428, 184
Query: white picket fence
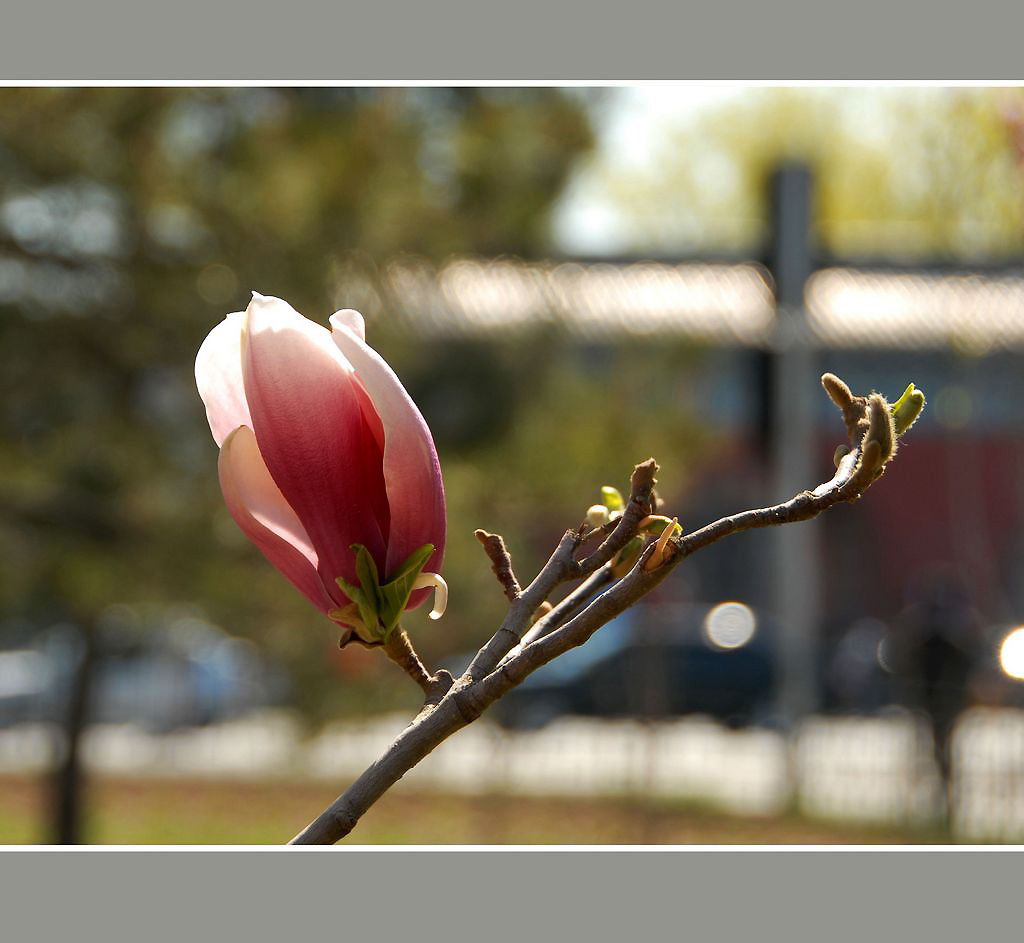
875, 769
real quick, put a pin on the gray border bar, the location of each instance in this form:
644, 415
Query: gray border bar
596, 895
477, 40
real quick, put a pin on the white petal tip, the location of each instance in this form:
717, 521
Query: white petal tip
350, 320
256, 302
440, 587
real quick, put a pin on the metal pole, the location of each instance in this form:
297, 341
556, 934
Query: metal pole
795, 381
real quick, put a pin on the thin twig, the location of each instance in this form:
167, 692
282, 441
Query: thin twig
489, 676
641, 503
471, 694
522, 610
569, 606
562, 565
399, 649
501, 563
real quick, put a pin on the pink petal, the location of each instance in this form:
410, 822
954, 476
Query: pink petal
264, 516
411, 470
311, 431
219, 377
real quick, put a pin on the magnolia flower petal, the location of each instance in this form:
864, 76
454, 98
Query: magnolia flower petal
311, 431
412, 472
352, 321
219, 377
264, 516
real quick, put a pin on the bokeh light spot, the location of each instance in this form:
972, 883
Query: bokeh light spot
1011, 654
730, 625
217, 284
954, 407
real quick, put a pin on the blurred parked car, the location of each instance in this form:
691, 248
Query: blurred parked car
656, 662
161, 678
25, 681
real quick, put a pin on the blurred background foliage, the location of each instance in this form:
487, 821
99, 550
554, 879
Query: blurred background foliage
903, 173
131, 220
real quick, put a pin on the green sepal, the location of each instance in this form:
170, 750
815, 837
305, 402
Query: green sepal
395, 595
906, 409
365, 596
611, 498
380, 607
366, 569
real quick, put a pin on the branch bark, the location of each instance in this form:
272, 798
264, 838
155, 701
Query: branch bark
500, 664
501, 563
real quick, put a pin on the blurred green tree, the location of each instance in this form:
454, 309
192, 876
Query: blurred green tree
903, 173
131, 220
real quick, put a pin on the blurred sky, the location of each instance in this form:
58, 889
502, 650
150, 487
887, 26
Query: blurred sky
646, 134
628, 128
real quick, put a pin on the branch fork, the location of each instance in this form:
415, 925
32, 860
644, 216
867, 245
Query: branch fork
535, 631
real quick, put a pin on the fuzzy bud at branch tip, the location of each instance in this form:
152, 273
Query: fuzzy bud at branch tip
870, 465
837, 390
880, 427
853, 408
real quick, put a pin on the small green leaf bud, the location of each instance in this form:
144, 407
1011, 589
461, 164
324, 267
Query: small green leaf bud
907, 408
612, 499
627, 557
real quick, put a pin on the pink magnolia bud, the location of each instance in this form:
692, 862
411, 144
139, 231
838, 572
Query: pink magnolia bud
321, 448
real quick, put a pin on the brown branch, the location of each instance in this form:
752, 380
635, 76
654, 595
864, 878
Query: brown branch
489, 677
848, 484
845, 486
471, 694
569, 606
638, 582
521, 611
562, 565
501, 563
399, 649
641, 503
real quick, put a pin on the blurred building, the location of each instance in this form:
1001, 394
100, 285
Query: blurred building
952, 499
